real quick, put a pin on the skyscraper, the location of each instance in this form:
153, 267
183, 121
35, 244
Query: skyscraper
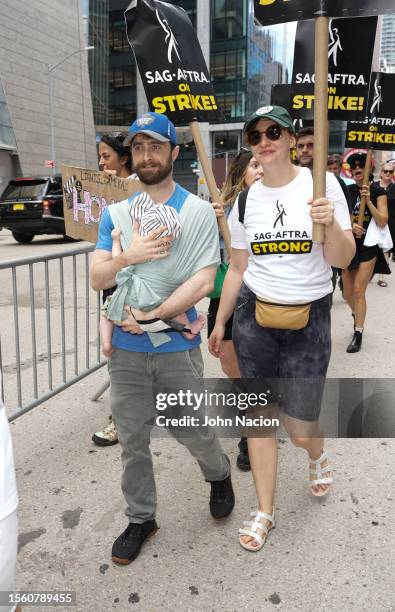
388, 44
42, 42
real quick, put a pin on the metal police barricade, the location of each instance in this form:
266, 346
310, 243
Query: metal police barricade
49, 327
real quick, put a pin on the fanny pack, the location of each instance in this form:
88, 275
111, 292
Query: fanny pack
282, 316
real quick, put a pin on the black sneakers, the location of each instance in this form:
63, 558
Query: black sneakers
222, 498
356, 343
128, 545
243, 460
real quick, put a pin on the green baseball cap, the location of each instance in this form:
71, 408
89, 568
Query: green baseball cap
276, 113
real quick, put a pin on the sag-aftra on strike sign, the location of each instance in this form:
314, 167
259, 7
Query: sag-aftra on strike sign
278, 11
171, 63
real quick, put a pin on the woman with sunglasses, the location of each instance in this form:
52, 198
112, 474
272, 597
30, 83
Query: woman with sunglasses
279, 286
366, 260
243, 172
116, 159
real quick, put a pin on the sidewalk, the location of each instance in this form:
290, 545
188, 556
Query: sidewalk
331, 554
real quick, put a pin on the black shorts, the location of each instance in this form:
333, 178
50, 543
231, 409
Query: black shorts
363, 253
211, 315
292, 364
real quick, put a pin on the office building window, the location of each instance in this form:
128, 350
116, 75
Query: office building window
118, 42
122, 115
229, 65
233, 104
226, 142
122, 77
229, 19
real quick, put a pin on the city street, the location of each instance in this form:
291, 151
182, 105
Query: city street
337, 553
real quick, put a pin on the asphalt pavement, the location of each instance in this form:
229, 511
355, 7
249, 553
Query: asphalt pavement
330, 554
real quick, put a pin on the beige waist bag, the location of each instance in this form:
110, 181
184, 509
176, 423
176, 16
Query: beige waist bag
281, 316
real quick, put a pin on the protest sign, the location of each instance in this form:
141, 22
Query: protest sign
174, 74
268, 12
350, 54
378, 129
86, 194
170, 61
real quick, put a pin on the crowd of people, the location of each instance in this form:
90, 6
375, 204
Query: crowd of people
269, 316
276, 293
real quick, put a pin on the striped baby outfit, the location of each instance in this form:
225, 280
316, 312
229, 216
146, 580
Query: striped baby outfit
151, 216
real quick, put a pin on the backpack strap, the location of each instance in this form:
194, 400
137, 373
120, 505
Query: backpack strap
242, 204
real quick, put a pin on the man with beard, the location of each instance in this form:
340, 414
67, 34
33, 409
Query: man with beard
182, 272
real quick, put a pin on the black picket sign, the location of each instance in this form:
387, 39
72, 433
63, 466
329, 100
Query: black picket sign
378, 129
268, 12
350, 54
170, 62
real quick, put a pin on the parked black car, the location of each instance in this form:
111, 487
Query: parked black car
31, 206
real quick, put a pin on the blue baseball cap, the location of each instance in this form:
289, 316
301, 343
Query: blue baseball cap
155, 125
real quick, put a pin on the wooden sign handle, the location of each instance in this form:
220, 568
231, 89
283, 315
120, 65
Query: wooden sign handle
321, 129
210, 180
366, 173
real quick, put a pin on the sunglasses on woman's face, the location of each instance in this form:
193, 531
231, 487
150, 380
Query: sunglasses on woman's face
388, 172
273, 132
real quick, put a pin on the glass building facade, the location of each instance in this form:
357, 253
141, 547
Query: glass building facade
7, 137
122, 69
388, 44
95, 17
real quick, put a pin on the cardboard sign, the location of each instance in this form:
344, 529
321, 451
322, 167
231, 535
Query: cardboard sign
170, 61
348, 71
268, 12
86, 194
378, 130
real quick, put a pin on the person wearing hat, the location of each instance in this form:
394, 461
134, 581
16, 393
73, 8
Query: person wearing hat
279, 286
366, 260
181, 271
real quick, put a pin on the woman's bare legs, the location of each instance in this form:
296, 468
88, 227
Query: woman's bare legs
308, 435
263, 453
229, 362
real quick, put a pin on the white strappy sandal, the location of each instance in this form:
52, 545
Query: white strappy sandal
320, 472
253, 533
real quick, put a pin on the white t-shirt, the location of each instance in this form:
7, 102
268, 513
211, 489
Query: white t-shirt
8, 492
285, 265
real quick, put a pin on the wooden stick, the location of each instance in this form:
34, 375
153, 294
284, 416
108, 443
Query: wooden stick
320, 117
210, 180
366, 173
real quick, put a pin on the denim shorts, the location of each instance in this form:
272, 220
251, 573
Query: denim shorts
292, 364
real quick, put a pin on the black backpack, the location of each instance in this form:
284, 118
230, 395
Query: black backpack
242, 204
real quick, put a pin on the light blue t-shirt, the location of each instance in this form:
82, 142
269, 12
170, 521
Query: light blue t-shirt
141, 342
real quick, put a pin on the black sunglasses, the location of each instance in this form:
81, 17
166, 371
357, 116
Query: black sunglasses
388, 171
273, 132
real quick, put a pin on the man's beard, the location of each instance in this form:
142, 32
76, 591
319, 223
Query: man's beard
154, 174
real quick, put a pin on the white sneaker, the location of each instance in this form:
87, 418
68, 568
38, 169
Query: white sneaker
108, 436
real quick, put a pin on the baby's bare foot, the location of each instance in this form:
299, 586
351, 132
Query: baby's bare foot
195, 327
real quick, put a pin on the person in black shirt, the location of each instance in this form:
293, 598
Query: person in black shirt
359, 272
386, 181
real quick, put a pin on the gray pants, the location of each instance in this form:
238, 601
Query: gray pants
134, 376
